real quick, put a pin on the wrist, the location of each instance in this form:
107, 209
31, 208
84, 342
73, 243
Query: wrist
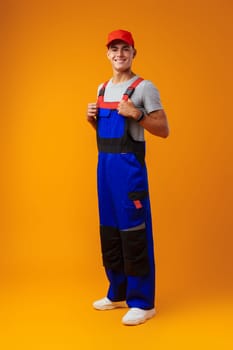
140, 116
137, 115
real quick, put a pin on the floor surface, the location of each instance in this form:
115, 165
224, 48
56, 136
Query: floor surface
59, 315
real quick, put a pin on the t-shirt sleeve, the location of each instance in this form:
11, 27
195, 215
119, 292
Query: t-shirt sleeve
151, 97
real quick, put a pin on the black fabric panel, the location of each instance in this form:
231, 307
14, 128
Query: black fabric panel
111, 248
137, 195
118, 145
129, 91
101, 92
135, 252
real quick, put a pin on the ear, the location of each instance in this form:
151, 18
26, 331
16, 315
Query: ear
135, 53
108, 54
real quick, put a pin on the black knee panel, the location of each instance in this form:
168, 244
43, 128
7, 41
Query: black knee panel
111, 248
135, 252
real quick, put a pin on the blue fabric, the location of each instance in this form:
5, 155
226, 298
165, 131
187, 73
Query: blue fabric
137, 291
118, 174
110, 123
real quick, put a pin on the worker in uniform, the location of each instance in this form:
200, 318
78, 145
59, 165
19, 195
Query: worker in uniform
126, 105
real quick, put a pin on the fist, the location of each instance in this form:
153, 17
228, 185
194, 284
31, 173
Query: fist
127, 108
92, 111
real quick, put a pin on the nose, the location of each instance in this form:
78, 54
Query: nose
120, 52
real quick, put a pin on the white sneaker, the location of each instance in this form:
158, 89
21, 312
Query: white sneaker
136, 316
107, 304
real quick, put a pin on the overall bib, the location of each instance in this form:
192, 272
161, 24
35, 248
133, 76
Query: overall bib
124, 208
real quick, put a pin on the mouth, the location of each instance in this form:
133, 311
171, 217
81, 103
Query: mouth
119, 61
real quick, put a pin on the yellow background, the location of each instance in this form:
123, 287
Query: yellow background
53, 56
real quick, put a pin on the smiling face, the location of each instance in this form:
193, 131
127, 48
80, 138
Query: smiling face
121, 55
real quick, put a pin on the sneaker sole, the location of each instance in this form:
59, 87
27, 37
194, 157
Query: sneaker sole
109, 307
139, 321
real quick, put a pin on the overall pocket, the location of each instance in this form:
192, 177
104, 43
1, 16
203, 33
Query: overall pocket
135, 207
110, 124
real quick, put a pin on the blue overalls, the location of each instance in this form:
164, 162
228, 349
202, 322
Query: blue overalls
124, 208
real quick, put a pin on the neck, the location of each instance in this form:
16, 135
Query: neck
120, 77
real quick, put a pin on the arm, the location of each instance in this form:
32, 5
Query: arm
155, 122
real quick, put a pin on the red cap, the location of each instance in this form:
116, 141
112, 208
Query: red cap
120, 35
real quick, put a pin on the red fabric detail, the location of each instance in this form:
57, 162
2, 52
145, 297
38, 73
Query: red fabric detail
100, 99
109, 105
137, 204
133, 86
136, 82
114, 105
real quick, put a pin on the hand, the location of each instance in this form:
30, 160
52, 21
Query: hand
92, 111
128, 109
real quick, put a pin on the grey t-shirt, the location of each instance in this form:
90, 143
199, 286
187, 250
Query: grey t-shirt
145, 97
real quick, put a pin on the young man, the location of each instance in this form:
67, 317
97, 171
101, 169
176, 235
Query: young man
126, 106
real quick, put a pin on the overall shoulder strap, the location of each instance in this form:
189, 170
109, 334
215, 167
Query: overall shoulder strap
101, 92
128, 93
